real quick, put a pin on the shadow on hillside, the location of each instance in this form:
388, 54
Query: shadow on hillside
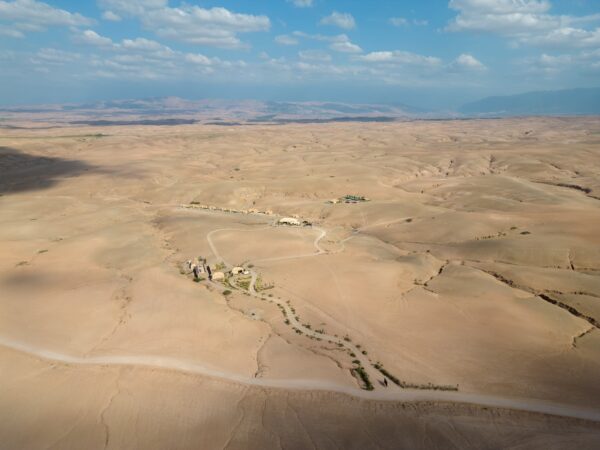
25, 172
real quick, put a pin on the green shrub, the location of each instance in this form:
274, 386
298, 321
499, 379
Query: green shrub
364, 376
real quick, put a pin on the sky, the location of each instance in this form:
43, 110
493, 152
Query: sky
434, 54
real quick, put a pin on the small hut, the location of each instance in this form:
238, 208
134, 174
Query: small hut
291, 221
218, 276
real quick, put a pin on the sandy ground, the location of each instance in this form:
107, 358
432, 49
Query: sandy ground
476, 264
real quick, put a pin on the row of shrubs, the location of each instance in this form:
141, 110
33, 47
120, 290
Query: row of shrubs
364, 376
405, 385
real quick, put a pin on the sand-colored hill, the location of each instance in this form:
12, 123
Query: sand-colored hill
471, 276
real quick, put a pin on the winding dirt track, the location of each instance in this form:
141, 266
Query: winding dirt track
289, 314
404, 395
392, 393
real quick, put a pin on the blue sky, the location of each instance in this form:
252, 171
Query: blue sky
434, 54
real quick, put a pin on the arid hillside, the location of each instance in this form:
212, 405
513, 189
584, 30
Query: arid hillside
427, 284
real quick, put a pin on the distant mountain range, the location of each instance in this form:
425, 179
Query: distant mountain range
177, 111
565, 102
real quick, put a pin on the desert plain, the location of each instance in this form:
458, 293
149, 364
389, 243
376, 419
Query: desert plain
469, 280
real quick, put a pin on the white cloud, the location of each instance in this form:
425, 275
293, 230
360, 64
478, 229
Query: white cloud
345, 47
302, 3
132, 7
314, 55
191, 24
399, 21
342, 20
525, 22
401, 58
469, 62
285, 39
90, 37
31, 16
339, 43
11, 32
215, 27
566, 37
54, 56
551, 65
147, 59
197, 58
402, 22
109, 15
143, 45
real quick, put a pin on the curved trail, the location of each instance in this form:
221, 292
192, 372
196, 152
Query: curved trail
289, 314
392, 393
316, 242
319, 250
404, 395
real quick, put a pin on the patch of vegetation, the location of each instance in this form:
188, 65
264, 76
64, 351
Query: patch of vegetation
524, 233
405, 385
389, 375
22, 263
364, 376
244, 283
198, 280
227, 292
194, 203
355, 198
260, 285
219, 266
42, 251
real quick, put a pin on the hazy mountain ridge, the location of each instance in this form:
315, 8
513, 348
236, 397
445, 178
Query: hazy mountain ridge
171, 105
563, 102
177, 111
